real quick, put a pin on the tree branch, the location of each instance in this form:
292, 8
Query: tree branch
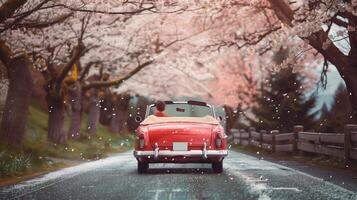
86, 70
9, 7
5, 53
78, 52
282, 11
103, 12
22, 16
339, 22
316, 40
43, 24
119, 80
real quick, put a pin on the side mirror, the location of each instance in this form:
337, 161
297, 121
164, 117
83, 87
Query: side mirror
138, 119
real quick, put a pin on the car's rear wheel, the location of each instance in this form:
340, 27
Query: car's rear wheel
143, 167
217, 167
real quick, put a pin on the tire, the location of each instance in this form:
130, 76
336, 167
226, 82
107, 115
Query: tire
142, 167
217, 167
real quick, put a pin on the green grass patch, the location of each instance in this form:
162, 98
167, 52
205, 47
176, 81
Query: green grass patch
38, 154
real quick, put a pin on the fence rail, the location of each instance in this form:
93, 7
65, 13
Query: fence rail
340, 145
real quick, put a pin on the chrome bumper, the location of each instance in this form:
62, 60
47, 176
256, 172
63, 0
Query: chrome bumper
192, 153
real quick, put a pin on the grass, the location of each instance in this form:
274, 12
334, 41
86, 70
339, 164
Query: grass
38, 154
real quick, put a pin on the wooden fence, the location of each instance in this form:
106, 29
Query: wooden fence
341, 145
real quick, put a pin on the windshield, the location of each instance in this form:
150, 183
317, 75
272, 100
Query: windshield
184, 110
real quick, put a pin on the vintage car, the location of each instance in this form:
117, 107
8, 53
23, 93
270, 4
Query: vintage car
190, 133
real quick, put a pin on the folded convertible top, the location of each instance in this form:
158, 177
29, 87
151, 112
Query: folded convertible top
157, 120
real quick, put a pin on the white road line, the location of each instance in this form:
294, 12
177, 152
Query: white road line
260, 186
286, 188
157, 193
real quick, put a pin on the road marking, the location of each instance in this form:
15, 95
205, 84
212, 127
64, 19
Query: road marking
171, 193
157, 193
286, 188
256, 186
177, 190
87, 186
262, 188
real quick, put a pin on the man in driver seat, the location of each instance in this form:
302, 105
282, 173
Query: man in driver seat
160, 109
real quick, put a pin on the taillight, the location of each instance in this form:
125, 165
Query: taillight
218, 136
141, 141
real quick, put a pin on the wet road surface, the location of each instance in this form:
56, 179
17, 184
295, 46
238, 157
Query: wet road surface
245, 177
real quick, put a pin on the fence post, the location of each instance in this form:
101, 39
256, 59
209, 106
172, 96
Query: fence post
240, 136
261, 137
348, 144
234, 136
297, 129
273, 143
250, 130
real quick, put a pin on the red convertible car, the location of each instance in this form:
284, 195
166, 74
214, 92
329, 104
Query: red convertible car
189, 133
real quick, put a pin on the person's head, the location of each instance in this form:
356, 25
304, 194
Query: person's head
160, 106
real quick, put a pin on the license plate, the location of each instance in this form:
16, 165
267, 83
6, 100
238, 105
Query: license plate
179, 146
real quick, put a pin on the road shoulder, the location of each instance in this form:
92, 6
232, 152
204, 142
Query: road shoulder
334, 173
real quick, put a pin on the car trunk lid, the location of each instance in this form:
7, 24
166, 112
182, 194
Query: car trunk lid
195, 134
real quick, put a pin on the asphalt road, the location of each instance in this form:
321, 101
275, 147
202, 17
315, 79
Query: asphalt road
245, 177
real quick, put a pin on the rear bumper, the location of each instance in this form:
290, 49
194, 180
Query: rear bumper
192, 153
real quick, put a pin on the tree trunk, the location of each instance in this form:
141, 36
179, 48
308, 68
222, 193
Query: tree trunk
118, 120
346, 65
75, 98
94, 113
13, 123
106, 106
4, 87
123, 119
56, 116
350, 79
123, 110
138, 110
115, 121
231, 118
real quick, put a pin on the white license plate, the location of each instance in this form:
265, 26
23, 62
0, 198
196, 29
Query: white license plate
179, 146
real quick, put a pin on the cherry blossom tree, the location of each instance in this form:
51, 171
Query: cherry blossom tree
235, 86
156, 48
326, 24
322, 30
81, 33
55, 48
